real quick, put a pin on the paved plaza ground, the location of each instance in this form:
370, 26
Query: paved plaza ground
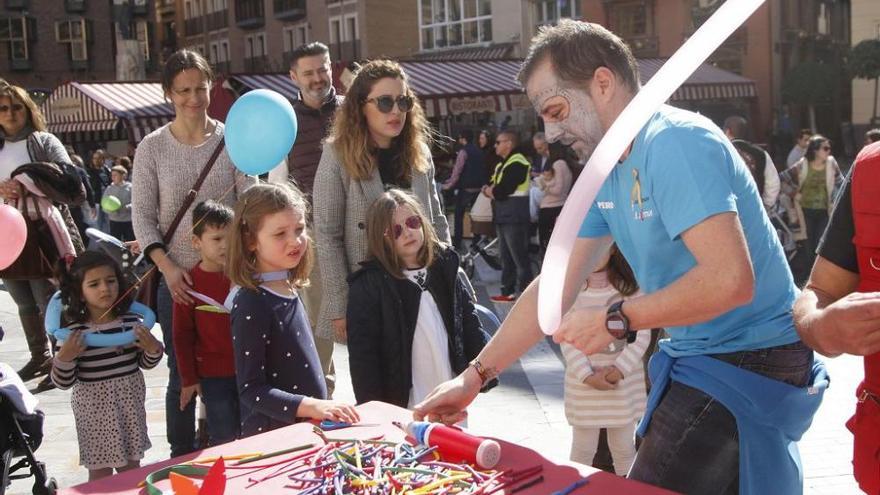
527, 408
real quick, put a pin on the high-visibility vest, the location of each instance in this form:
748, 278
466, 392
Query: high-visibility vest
516, 159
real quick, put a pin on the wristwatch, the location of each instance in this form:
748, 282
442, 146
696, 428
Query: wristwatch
617, 323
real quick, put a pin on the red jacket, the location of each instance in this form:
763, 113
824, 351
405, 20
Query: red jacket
202, 339
865, 425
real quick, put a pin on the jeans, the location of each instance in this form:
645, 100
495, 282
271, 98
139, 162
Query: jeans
31, 297
546, 221
516, 268
463, 201
220, 395
692, 444
180, 425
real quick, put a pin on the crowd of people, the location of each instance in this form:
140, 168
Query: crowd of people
347, 241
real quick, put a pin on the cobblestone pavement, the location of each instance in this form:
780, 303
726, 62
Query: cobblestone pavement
526, 408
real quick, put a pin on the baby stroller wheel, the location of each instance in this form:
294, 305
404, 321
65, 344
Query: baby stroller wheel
50, 488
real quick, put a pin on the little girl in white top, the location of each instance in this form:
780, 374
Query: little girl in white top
606, 390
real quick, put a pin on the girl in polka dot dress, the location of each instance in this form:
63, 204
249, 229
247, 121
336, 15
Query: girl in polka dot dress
276, 363
108, 386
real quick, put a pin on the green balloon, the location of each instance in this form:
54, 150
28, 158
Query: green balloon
111, 204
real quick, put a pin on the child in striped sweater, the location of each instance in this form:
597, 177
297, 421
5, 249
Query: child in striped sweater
108, 385
606, 390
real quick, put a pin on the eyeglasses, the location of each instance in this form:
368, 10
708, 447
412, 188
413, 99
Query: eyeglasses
412, 223
385, 103
16, 107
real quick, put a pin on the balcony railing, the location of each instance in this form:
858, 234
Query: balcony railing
289, 10
21, 64
257, 64
193, 26
218, 20
644, 46
346, 51
75, 5
222, 67
249, 14
17, 4
140, 8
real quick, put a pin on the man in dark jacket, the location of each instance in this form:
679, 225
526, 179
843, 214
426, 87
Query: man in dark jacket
468, 176
311, 72
509, 190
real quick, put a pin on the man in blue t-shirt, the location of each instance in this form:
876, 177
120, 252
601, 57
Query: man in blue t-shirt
684, 211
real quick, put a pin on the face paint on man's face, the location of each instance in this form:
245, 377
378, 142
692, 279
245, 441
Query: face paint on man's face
570, 117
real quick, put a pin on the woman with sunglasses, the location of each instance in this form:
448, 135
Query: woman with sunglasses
24, 140
411, 318
379, 139
817, 177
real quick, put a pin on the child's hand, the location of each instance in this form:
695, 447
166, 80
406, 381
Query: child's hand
146, 341
328, 409
72, 347
599, 380
187, 394
613, 375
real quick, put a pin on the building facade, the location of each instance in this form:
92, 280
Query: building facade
44, 43
865, 25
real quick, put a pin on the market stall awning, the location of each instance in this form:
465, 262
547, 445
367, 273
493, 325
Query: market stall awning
102, 111
451, 87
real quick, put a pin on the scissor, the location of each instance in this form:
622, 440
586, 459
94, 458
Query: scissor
328, 425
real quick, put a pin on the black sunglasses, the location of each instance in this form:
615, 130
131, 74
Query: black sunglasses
385, 103
16, 107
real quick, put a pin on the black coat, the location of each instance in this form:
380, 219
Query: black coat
381, 321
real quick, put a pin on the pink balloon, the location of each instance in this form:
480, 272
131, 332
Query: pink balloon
14, 235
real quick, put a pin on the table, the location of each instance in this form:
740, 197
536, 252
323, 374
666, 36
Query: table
557, 474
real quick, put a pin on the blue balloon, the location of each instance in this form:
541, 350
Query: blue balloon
260, 131
53, 322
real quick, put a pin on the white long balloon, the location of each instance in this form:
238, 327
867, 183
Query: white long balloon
647, 101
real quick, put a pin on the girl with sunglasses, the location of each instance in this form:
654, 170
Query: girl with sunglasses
379, 139
411, 319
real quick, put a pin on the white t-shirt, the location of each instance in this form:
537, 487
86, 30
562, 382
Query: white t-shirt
430, 349
12, 156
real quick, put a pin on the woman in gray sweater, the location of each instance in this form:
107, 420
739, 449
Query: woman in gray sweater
166, 165
379, 139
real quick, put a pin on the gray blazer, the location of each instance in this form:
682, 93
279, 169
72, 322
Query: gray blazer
340, 216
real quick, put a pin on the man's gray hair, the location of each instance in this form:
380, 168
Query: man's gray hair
576, 49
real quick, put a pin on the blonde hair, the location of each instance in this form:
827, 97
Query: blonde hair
380, 224
254, 205
351, 137
17, 93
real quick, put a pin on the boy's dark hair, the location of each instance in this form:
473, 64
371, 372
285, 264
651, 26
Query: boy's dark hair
804, 132
467, 135
873, 135
70, 280
210, 213
308, 50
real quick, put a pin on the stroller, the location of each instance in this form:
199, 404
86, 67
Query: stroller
21, 433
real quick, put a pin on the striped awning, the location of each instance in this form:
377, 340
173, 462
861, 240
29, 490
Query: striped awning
492, 52
102, 111
452, 87
706, 83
